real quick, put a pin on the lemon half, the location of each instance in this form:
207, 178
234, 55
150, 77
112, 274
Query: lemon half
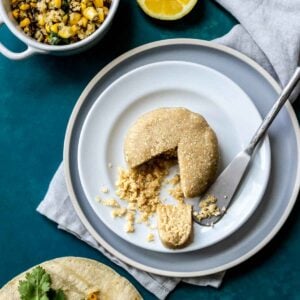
167, 9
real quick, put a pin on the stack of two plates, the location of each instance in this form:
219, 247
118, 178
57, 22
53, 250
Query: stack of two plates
232, 93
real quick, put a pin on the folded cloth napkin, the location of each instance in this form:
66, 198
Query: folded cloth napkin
57, 207
269, 32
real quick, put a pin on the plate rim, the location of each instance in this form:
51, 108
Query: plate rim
146, 67
76, 110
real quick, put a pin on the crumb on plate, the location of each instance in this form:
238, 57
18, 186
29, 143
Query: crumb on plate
150, 237
104, 190
118, 212
110, 202
208, 208
140, 186
98, 199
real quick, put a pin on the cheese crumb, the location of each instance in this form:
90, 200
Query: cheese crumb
131, 206
150, 237
110, 202
130, 216
119, 212
140, 186
143, 218
153, 226
208, 208
129, 227
177, 194
175, 180
104, 190
97, 199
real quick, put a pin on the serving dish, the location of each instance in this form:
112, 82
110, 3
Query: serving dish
281, 192
34, 47
170, 84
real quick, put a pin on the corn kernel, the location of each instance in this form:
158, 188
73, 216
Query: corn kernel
47, 27
41, 20
74, 18
74, 29
105, 9
15, 13
24, 6
65, 19
90, 13
33, 4
57, 3
100, 15
54, 28
84, 21
25, 22
65, 32
98, 3
83, 6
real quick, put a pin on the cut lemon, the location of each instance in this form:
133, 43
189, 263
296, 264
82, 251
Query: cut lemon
167, 9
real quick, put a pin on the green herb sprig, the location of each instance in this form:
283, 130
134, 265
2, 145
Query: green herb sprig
37, 286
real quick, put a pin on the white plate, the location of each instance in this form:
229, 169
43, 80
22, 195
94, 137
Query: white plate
225, 106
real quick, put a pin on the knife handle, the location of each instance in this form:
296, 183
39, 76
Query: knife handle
260, 133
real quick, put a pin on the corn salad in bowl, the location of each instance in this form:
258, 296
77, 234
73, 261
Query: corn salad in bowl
59, 22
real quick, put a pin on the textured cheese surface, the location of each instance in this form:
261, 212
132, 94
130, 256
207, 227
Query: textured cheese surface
175, 225
165, 129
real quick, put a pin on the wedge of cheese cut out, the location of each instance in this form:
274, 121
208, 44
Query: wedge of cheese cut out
166, 129
175, 226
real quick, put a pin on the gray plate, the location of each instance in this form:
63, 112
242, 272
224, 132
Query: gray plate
281, 192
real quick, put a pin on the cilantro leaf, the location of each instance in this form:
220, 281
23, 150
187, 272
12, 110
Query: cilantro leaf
65, 5
60, 295
36, 285
54, 39
56, 295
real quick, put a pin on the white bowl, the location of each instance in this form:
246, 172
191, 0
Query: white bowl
34, 46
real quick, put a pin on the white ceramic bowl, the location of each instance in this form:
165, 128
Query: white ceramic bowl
34, 46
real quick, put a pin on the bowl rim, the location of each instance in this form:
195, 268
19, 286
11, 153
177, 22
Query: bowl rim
32, 43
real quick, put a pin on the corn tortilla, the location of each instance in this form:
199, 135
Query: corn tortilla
78, 277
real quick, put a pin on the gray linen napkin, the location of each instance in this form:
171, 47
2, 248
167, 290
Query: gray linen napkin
269, 32
57, 207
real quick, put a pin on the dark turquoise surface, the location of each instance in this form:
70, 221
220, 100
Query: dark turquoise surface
37, 96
